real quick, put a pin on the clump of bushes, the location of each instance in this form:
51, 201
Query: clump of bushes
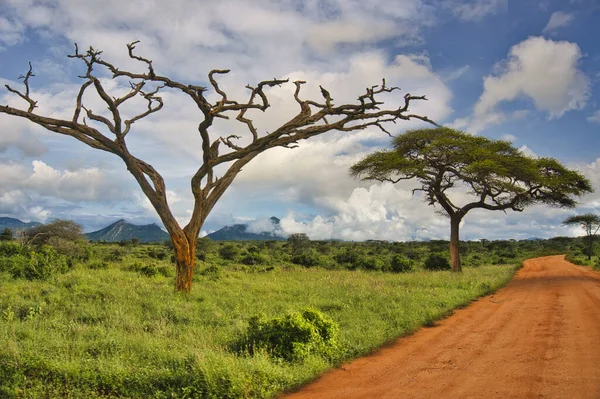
307, 258
35, 265
293, 336
229, 252
151, 270
401, 264
437, 261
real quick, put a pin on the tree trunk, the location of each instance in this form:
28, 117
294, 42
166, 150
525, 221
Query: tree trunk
455, 244
590, 246
185, 255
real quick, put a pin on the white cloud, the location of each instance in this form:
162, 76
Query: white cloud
526, 73
595, 117
476, 10
557, 20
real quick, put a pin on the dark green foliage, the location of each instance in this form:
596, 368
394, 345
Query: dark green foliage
115, 255
10, 249
6, 235
298, 242
151, 270
37, 265
212, 272
294, 336
307, 258
158, 252
97, 265
229, 252
590, 223
437, 261
253, 258
401, 264
368, 263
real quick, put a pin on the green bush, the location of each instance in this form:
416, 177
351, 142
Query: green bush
159, 253
151, 270
308, 258
229, 252
401, 264
253, 258
39, 265
10, 248
97, 265
437, 261
212, 272
294, 336
368, 263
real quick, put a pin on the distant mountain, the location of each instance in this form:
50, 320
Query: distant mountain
121, 230
16, 224
239, 232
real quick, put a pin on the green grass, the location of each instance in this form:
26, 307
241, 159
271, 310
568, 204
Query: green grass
116, 333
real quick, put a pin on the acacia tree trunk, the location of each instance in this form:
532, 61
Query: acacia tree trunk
590, 240
185, 256
455, 244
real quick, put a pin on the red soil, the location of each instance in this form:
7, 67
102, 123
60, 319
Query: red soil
538, 337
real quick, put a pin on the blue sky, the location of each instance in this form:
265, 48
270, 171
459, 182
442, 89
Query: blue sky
527, 71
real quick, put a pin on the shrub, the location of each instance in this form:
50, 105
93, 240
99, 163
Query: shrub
437, 261
39, 265
65, 229
79, 250
294, 336
212, 272
158, 253
116, 255
307, 259
348, 256
298, 242
401, 264
150, 270
97, 265
229, 252
252, 258
368, 263
8, 248
6, 235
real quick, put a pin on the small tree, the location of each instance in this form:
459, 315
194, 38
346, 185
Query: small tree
590, 223
7, 234
298, 242
499, 176
108, 132
58, 229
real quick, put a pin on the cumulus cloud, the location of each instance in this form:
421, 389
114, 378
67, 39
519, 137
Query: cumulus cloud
525, 73
557, 20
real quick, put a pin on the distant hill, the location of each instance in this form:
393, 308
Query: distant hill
239, 232
121, 230
16, 224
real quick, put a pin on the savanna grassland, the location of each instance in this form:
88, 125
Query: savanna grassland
80, 320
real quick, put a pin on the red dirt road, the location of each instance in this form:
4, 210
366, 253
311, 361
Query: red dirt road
538, 337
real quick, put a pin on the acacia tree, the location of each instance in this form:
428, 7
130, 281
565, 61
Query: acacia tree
590, 222
108, 132
499, 176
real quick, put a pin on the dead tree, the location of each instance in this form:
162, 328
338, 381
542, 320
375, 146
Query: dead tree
109, 133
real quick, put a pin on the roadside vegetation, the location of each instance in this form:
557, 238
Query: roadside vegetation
85, 320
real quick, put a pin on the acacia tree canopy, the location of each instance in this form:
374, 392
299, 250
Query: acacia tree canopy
496, 174
108, 131
590, 222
